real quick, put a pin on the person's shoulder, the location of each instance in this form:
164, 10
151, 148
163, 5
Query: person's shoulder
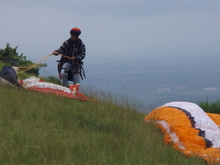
80, 41
66, 42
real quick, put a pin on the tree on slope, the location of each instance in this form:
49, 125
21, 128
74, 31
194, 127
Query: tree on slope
10, 56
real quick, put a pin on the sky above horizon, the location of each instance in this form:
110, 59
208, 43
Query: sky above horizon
113, 30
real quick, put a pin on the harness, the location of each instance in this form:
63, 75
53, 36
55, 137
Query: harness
78, 67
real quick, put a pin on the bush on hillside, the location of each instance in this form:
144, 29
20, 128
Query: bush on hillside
11, 57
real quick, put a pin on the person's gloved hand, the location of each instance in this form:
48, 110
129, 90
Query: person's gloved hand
73, 58
55, 53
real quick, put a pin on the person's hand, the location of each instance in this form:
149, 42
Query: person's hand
72, 58
55, 53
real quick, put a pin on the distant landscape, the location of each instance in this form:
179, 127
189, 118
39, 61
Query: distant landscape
155, 81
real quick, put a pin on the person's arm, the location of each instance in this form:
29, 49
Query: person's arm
81, 53
55, 52
61, 50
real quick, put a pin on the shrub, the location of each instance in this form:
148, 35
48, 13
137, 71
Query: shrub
11, 57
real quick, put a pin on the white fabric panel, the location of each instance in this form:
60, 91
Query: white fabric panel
203, 121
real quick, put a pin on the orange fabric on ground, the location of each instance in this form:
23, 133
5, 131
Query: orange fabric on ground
178, 132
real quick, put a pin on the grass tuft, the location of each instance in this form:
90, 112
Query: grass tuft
210, 106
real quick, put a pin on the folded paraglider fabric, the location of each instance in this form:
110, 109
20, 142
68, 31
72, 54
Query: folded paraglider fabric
189, 129
34, 83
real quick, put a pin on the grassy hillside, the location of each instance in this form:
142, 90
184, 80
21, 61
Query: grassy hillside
38, 128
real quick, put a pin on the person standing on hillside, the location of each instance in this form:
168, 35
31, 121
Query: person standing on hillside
72, 52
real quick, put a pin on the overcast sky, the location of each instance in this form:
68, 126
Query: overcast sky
113, 29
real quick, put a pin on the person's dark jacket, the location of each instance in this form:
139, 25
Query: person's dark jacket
73, 49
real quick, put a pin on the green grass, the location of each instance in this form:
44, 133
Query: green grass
1, 64
210, 106
37, 128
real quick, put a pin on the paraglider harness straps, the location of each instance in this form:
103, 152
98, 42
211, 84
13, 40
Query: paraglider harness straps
78, 68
